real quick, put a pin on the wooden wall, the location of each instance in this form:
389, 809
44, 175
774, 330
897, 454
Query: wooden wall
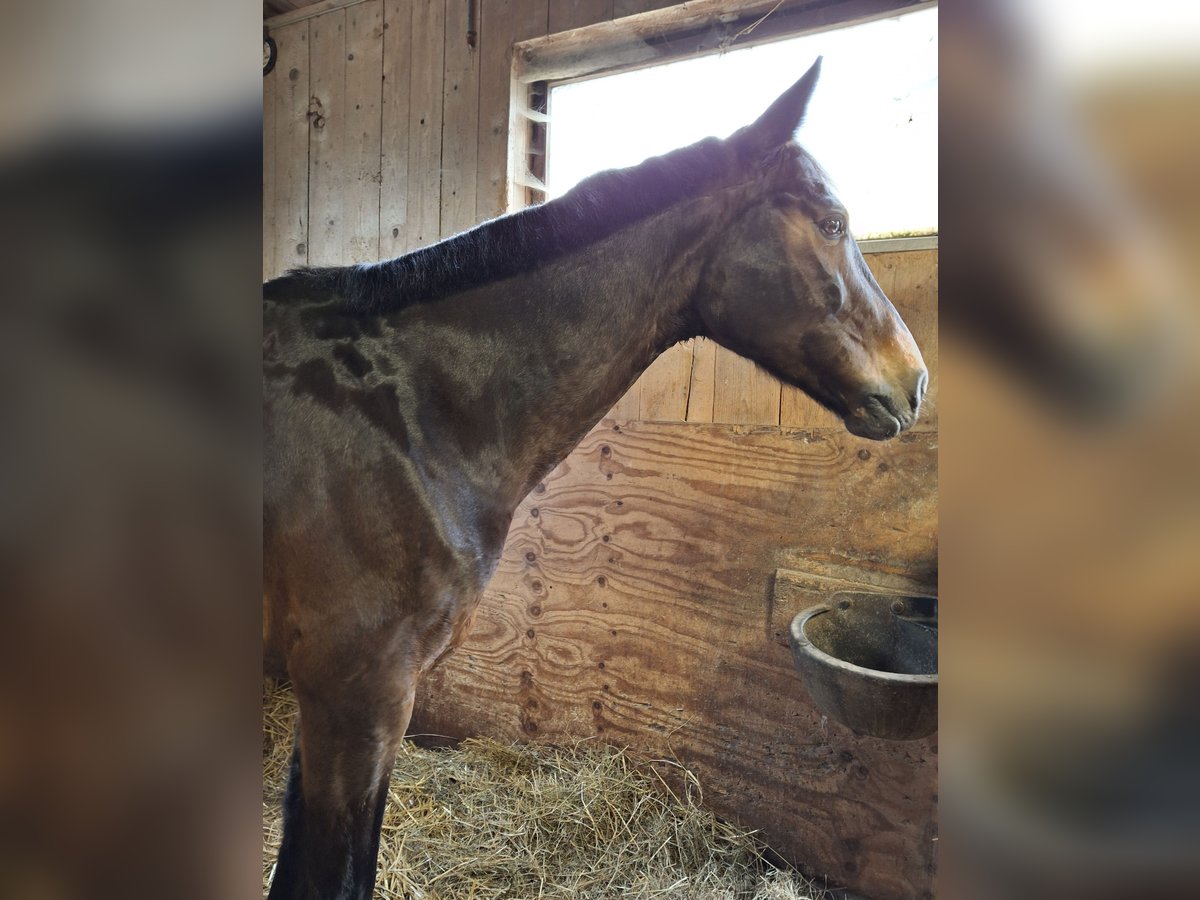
647, 583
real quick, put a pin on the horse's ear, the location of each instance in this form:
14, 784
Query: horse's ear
775, 127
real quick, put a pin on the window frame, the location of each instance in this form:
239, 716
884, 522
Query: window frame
672, 34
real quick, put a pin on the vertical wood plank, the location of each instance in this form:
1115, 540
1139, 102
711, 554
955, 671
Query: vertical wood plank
460, 127
568, 14
745, 394
425, 123
289, 96
798, 410
394, 144
704, 381
629, 407
364, 96
503, 22
665, 386
327, 151
269, 264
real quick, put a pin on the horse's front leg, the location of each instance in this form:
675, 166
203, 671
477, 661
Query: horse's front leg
353, 714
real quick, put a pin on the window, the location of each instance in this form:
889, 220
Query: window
872, 123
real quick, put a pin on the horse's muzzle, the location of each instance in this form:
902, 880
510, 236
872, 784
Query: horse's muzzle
884, 413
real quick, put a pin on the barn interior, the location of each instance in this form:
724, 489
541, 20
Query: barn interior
648, 583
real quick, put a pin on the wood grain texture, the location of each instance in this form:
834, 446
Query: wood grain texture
502, 23
665, 386
460, 123
286, 171
798, 410
344, 134
634, 603
394, 143
364, 97
568, 14
629, 407
704, 381
425, 123
649, 33
277, 13
622, 8
327, 135
743, 393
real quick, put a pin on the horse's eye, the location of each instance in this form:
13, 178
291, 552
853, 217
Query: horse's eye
832, 226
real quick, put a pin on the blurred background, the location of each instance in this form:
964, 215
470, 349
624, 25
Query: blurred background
129, 393
1070, 523
129, 472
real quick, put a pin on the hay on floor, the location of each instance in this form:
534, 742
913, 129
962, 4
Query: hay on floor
488, 820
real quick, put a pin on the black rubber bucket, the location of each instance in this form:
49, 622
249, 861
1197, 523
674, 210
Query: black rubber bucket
869, 661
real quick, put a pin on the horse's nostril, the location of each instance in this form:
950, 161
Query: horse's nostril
884, 402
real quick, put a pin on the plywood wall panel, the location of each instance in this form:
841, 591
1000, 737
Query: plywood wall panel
633, 604
394, 142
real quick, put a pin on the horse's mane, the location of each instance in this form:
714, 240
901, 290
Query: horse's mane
595, 208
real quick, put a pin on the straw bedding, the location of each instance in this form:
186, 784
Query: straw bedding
489, 820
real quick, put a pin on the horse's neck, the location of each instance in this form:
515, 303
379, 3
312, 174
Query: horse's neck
582, 329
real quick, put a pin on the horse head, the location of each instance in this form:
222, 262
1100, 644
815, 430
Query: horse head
788, 287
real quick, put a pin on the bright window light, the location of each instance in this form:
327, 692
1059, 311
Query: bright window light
872, 122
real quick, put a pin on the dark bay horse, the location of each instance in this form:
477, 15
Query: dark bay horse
410, 405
